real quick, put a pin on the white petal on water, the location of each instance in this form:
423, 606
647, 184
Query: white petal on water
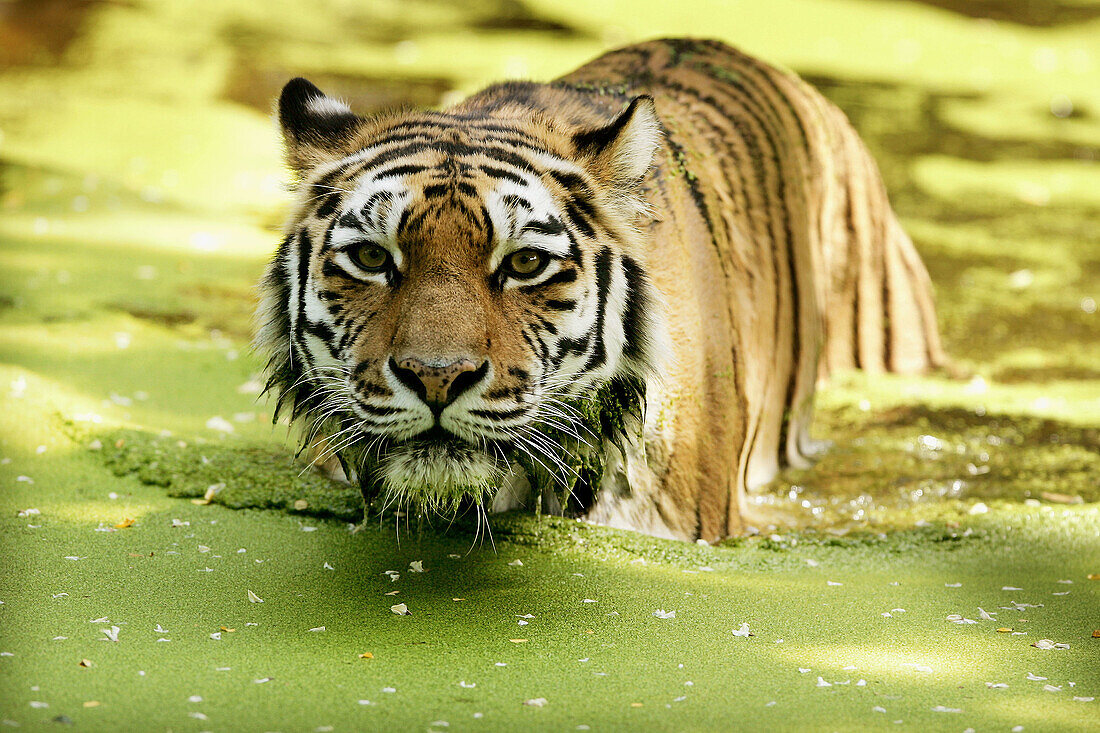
517, 563
253, 598
537, 702
111, 634
942, 709
401, 609
661, 613
1083, 699
1048, 644
318, 628
328, 567
466, 684
742, 631
832, 582
878, 709
1010, 587
1035, 677
216, 636
803, 670
522, 622
822, 683
984, 615
1052, 688
996, 685
952, 585
416, 566
220, 424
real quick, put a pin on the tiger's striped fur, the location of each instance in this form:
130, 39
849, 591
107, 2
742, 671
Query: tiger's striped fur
716, 281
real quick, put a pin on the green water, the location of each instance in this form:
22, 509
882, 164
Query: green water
140, 194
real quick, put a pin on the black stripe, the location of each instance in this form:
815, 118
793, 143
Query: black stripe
558, 278
552, 226
560, 305
502, 173
500, 415
377, 411
633, 313
603, 290
304, 247
329, 204
517, 202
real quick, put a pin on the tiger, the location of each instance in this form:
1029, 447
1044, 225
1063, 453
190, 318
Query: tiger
609, 297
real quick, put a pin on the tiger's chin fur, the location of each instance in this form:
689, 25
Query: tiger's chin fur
436, 477
619, 288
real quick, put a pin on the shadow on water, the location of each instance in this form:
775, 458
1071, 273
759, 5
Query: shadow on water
38, 32
1035, 13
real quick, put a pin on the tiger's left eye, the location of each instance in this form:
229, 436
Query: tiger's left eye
525, 263
371, 257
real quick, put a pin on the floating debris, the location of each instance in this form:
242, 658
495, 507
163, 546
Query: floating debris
537, 702
401, 609
1048, 644
211, 491
743, 631
661, 613
111, 634
366, 655
517, 563
416, 566
253, 598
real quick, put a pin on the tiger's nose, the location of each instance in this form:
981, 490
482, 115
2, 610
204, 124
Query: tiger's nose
438, 386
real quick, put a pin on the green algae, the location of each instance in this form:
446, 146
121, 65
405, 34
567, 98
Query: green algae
139, 198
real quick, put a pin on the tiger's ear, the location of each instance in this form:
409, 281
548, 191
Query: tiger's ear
316, 128
621, 153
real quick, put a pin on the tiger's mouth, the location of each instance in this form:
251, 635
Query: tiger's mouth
434, 470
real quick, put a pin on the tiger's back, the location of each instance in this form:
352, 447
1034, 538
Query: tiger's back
780, 261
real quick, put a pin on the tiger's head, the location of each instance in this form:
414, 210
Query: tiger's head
454, 285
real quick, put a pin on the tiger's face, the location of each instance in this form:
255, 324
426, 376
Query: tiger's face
452, 282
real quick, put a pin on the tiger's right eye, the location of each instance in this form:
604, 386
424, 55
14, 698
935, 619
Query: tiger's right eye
370, 257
